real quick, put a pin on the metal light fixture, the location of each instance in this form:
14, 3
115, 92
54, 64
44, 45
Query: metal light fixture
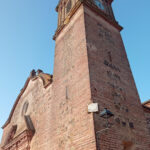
106, 114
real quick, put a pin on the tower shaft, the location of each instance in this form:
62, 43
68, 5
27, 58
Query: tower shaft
91, 66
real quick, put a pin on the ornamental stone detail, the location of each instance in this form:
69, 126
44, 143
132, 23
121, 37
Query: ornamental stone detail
20, 142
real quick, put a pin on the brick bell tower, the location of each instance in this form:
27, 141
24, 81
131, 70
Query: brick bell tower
91, 66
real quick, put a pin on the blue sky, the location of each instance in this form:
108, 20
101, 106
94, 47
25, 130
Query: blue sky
26, 31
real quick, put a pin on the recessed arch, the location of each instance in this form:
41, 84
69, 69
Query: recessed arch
25, 108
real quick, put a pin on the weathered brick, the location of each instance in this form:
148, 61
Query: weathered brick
90, 66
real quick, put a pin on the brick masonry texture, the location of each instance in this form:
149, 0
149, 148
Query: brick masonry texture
147, 115
113, 87
146, 107
71, 86
39, 100
90, 66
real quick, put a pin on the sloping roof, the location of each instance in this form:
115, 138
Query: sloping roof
47, 80
146, 102
146, 105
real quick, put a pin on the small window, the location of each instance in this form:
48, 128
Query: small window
25, 108
68, 7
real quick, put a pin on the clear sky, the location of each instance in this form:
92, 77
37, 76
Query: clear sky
26, 31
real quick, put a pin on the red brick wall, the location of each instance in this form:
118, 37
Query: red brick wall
39, 110
147, 115
73, 126
112, 85
90, 66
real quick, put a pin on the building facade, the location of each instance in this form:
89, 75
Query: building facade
146, 107
90, 69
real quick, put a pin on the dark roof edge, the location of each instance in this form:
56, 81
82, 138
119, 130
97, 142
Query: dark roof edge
146, 107
146, 102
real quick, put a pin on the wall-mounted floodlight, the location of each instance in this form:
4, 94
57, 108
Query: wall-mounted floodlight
106, 114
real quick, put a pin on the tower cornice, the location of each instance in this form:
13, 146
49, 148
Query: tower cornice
91, 6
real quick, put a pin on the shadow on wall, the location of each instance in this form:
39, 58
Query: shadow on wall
128, 145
